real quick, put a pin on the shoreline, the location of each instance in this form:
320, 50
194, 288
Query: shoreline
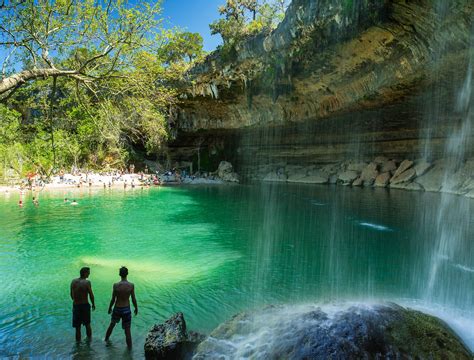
105, 183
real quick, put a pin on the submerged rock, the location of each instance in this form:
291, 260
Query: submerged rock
384, 331
170, 340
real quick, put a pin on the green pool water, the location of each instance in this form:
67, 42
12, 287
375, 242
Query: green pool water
211, 252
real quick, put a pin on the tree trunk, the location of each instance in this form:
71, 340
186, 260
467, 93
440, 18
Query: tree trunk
13, 81
51, 119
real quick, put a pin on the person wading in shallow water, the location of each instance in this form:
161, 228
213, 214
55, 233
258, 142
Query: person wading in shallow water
81, 310
121, 293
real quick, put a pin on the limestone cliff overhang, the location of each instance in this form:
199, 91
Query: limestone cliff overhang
330, 57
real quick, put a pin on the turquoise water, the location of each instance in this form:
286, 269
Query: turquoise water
211, 252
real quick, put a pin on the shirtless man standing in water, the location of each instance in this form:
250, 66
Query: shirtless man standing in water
81, 310
121, 293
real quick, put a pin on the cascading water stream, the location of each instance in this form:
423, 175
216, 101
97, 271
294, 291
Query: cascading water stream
453, 216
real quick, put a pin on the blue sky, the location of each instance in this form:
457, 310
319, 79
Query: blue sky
194, 16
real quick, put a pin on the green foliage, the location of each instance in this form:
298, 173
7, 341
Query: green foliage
244, 18
122, 69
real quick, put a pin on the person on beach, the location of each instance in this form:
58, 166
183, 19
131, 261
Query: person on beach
81, 289
121, 293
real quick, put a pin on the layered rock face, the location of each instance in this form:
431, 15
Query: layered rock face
337, 80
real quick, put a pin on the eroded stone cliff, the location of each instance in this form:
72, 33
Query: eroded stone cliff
337, 79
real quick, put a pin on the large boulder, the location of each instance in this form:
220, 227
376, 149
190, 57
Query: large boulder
403, 177
369, 174
434, 178
170, 340
347, 177
382, 180
422, 166
384, 331
388, 166
226, 172
404, 166
359, 167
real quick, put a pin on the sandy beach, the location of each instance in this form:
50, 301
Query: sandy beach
116, 181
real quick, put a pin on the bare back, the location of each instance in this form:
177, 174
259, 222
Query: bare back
80, 289
123, 290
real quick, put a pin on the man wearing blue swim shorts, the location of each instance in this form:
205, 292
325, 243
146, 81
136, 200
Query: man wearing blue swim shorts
81, 289
121, 293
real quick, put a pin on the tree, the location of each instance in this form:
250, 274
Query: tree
243, 18
180, 46
103, 80
98, 37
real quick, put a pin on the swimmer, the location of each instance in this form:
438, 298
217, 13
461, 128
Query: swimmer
66, 200
35, 201
20, 203
74, 202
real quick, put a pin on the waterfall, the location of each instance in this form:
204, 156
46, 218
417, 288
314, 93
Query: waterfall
451, 267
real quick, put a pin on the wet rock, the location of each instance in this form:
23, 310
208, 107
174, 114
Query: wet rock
433, 179
383, 331
357, 166
347, 177
275, 177
388, 166
296, 169
379, 160
170, 340
330, 169
407, 186
296, 178
454, 183
382, 180
403, 177
358, 182
421, 167
333, 179
369, 174
405, 165
226, 172
315, 179
470, 194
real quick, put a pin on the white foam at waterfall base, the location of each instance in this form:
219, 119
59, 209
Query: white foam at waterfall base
256, 336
